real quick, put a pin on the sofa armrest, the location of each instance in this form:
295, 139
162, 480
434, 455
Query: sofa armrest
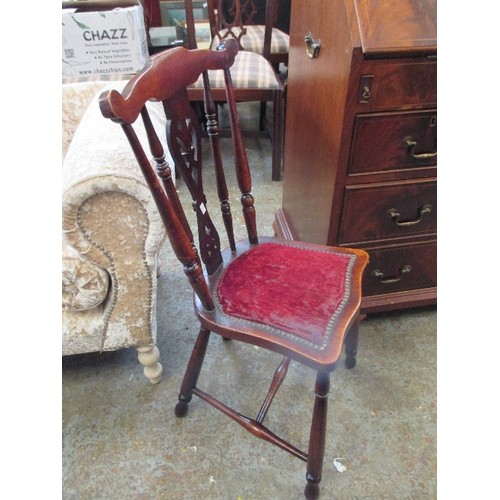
111, 220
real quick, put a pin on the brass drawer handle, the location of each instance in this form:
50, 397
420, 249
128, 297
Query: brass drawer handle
377, 273
425, 209
312, 46
412, 145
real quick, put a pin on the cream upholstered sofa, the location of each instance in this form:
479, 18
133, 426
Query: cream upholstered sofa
112, 234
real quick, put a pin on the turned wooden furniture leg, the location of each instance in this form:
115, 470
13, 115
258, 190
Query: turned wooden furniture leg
317, 437
262, 116
192, 372
148, 357
351, 345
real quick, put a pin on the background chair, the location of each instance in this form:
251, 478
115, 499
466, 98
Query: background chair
253, 24
254, 80
299, 300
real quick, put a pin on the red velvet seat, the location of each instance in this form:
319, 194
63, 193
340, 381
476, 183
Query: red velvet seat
298, 299
274, 286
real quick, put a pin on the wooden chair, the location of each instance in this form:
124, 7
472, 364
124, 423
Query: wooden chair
300, 300
253, 24
254, 80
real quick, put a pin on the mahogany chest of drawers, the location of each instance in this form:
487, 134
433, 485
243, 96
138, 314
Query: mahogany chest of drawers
360, 161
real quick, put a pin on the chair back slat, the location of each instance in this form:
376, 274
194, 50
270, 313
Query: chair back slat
250, 14
241, 164
228, 22
191, 30
213, 134
184, 140
249, 11
229, 18
164, 171
271, 13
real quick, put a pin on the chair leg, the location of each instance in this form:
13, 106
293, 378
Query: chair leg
317, 437
278, 131
262, 116
351, 345
192, 372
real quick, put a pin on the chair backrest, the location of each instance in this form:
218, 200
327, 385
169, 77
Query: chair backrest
228, 18
165, 78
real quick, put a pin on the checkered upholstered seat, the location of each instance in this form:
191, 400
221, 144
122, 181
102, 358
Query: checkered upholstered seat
249, 71
253, 39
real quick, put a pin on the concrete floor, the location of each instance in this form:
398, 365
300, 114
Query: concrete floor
121, 439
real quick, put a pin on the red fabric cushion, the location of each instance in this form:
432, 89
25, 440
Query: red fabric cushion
293, 289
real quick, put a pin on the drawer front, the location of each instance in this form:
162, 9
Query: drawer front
397, 84
402, 268
384, 211
393, 141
